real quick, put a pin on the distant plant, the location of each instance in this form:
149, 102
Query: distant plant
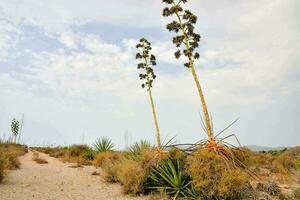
147, 62
77, 150
103, 144
138, 147
169, 177
15, 129
36, 157
89, 154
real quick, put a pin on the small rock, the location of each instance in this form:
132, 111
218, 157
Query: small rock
95, 173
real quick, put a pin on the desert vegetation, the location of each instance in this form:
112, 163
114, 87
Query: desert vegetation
9, 153
209, 169
202, 174
36, 157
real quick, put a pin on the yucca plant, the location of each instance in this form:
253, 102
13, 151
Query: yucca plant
169, 177
147, 62
15, 129
103, 144
187, 41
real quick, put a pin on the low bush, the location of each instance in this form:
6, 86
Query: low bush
297, 164
107, 155
109, 161
89, 154
10, 154
111, 168
283, 164
212, 177
1, 168
12, 161
77, 150
140, 164
132, 176
36, 157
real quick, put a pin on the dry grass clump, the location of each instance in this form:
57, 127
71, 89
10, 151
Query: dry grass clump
297, 164
212, 178
11, 161
141, 164
100, 157
77, 150
10, 153
37, 159
283, 164
1, 169
132, 176
109, 161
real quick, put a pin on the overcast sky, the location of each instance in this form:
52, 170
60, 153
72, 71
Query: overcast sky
69, 67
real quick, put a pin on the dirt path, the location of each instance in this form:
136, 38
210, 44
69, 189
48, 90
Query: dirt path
57, 181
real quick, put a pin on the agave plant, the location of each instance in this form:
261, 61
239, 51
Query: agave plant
138, 147
147, 62
187, 41
169, 177
103, 144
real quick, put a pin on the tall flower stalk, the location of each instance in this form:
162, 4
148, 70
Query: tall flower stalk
186, 40
147, 62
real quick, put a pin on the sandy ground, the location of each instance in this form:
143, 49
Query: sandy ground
57, 181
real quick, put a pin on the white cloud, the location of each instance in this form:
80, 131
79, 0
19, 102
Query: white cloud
249, 62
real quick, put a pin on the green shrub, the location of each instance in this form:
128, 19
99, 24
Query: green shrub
138, 147
103, 144
212, 177
89, 154
170, 177
77, 150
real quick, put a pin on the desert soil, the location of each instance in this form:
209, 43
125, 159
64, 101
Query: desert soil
57, 181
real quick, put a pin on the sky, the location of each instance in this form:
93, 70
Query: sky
69, 67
